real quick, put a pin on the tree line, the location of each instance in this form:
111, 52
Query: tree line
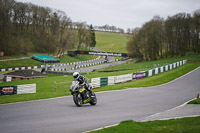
25, 27
109, 28
177, 35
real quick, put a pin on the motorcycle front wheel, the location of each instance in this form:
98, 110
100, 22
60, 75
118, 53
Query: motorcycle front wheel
93, 99
78, 99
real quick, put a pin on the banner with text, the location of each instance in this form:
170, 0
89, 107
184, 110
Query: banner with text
99, 53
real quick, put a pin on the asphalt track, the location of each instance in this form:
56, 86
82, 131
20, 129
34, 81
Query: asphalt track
60, 115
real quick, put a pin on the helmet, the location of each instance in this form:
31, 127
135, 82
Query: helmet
76, 75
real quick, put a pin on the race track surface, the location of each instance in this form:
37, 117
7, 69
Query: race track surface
60, 115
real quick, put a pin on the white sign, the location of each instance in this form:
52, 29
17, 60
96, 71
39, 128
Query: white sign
28, 88
123, 78
8, 79
95, 82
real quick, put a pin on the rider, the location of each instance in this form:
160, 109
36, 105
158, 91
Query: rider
82, 81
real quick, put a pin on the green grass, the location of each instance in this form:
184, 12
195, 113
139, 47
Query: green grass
184, 125
111, 42
151, 64
154, 80
19, 63
68, 59
31, 62
45, 86
196, 101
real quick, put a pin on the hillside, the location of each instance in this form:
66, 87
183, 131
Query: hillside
111, 42
107, 41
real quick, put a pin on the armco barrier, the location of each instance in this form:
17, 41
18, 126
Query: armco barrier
98, 82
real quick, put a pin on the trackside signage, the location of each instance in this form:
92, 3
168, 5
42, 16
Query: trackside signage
98, 82
105, 54
139, 75
123, 78
27, 88
99, 53
18, 89
8, 90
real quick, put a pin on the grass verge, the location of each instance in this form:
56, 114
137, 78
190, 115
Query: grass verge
196, 101
31, 62
184, 125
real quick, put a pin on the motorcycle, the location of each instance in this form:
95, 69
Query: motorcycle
81, 95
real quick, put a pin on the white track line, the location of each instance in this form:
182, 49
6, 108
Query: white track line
169, 110
152, 116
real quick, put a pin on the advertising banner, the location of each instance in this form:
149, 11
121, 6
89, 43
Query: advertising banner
104, 81
95, 82
8, 90
139, 75
99, 53
28, 88
123, 78
111, 80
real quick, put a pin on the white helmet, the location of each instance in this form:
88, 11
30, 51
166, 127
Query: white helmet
76, 75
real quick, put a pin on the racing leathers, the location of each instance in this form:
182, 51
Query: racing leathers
83, 81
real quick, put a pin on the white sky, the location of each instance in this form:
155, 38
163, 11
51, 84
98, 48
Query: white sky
120, 13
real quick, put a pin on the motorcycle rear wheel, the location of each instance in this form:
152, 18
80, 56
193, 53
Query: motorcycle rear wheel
78, 99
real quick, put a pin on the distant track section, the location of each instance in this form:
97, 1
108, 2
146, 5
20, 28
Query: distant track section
73, 53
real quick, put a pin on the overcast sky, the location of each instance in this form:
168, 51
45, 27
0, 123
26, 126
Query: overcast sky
121, 13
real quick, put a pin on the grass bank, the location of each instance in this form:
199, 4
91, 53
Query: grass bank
184, 125
107, 41
45, 86
31, 62
111, 42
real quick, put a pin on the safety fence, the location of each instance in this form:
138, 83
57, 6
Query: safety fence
42, 66
20, 68
18, 89
74, 65
111, 80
